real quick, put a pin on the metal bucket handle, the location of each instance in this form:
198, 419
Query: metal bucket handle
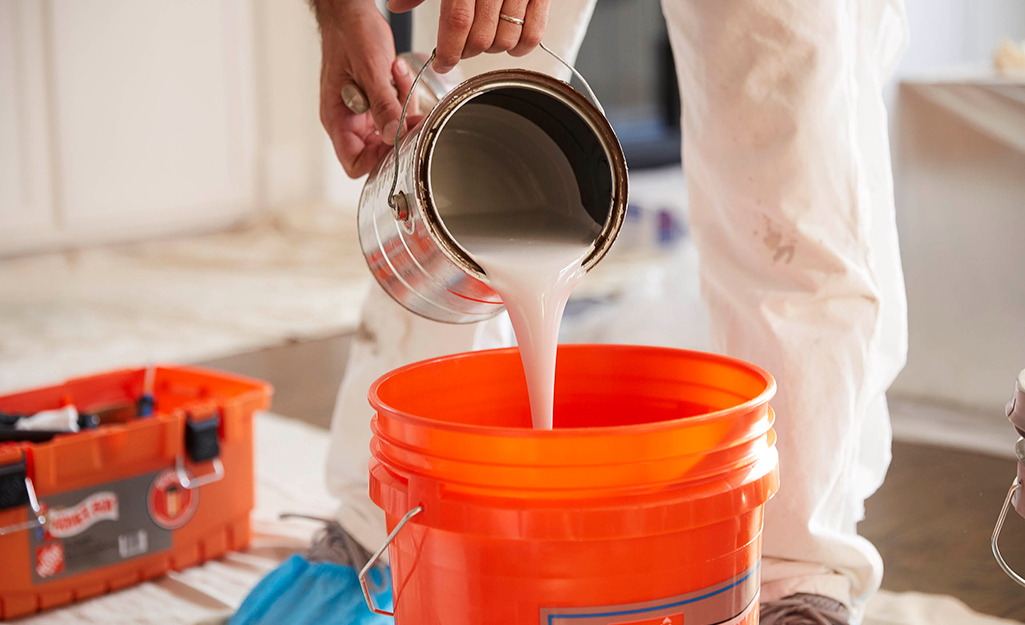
995, 541
374, 558
1016, 414
397, 201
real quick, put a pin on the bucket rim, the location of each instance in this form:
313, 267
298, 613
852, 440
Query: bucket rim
763, 397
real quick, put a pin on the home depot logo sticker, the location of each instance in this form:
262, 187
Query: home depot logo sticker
73, 520
50, 559
171, 505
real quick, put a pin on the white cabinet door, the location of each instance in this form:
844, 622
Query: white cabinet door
153, 114
26, 209
150, 109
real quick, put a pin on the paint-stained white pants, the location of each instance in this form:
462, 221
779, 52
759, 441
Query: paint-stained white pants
791, 207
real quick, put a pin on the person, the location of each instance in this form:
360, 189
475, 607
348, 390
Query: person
786, 154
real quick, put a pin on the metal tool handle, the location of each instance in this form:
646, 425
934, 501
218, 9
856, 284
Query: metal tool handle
374, 558
397, 202
1015, 487
38, 520
195, 482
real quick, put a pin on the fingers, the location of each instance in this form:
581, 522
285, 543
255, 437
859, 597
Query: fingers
356, 156
485, 24
456, 22
534, 24
384, 102
401, 6
355, 141
508, 34
357, 144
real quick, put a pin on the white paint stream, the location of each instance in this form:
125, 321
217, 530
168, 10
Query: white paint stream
509, 197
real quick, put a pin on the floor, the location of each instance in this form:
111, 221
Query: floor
295, 276
931, 520
305, 375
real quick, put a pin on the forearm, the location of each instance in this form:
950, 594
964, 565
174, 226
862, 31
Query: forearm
328, 11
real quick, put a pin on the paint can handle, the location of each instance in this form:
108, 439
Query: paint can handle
398, 203
580, 77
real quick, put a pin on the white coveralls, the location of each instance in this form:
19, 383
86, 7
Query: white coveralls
787, 160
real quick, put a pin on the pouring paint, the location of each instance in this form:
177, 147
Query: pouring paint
566, 148
500, 186
503, 196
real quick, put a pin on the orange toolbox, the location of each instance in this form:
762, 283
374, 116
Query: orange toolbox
161, 480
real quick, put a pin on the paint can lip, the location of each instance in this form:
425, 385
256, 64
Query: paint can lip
476, 86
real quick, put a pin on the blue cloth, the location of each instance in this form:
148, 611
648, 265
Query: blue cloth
303, 593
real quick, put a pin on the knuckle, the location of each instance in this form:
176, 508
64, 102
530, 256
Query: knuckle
478, 42
504, 44
447, 59
380, 108
531, 39
459, 18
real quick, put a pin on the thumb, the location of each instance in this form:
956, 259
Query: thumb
384, 103
401, 6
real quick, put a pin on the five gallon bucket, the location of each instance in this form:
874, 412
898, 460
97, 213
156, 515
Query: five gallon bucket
643, 505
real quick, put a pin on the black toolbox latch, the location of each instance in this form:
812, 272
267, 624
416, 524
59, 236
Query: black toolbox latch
13, 491
201, 441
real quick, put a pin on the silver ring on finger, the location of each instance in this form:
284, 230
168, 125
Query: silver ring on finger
511, 19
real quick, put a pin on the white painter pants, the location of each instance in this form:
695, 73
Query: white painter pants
791, 208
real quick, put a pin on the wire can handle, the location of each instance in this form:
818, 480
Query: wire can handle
374, 558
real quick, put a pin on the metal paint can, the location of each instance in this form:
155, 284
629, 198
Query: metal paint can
404, 239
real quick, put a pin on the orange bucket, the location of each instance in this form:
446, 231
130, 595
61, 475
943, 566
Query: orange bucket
643, 505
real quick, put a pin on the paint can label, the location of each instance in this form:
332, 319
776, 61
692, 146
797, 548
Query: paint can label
733, 602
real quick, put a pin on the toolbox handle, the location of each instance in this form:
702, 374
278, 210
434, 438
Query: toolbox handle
195, 482
39, 518
201, 444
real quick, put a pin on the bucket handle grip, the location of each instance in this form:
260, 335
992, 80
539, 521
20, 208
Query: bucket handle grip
397, 202
374, 558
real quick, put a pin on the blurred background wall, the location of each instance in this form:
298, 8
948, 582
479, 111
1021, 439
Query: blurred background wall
122, 120
957, 131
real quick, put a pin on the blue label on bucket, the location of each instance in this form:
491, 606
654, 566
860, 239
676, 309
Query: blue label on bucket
731, 602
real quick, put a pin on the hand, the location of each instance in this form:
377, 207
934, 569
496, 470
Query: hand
357, 48
469, 27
